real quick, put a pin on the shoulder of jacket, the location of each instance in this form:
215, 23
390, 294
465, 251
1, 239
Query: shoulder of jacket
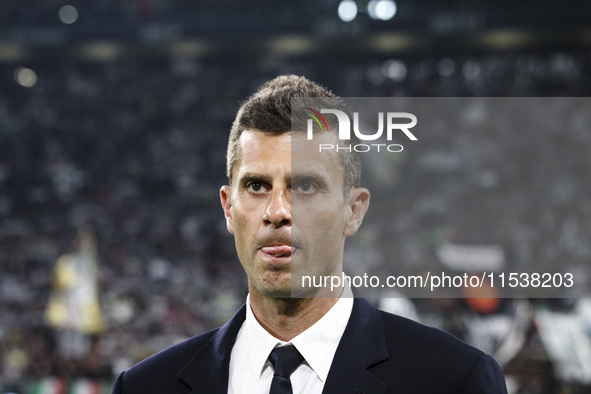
175, 356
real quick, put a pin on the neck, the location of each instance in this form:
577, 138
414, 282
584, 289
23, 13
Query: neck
286, 318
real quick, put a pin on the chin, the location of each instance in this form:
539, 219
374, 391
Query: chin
276, 292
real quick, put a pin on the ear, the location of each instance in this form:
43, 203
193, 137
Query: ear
226, 200
358, 203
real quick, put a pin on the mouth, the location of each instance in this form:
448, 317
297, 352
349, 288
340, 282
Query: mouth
278, 252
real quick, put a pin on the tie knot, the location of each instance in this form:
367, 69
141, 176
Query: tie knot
285, 360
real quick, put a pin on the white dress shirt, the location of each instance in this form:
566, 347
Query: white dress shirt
250, 370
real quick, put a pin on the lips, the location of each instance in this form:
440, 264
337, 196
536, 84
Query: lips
278, 251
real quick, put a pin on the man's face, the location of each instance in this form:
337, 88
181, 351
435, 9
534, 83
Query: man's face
287, 210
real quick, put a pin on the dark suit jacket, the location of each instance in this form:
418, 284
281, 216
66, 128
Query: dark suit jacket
378, 353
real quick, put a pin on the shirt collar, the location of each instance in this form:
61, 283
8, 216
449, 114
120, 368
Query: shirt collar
260, 342
317, 344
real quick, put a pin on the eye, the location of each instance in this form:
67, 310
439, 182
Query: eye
306, 187
256, 187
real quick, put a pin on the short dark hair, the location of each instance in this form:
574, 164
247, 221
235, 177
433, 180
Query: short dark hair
268, 110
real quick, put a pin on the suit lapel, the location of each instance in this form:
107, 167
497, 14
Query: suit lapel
208, 371
363, 345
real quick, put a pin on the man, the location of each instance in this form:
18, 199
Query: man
290, 209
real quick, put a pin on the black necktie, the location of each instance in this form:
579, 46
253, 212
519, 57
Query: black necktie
285, 360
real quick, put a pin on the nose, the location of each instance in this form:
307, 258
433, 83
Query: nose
278, 212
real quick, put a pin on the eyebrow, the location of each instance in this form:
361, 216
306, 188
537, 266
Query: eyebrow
254, 176
318, 177
315, 176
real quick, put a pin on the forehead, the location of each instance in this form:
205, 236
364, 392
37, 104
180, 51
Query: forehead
258, 150
288, 152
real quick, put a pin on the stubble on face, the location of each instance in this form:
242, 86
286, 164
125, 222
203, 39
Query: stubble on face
274, 179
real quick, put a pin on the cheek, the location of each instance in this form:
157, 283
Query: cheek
240, 220
242, 226
326, 226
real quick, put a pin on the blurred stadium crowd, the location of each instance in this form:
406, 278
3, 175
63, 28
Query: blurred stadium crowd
136, 150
